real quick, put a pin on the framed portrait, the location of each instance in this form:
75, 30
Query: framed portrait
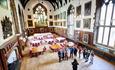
54, 17
4, 4
87, 23
64, 15
58, 16
30, 23
65, 23
29, 17
87, 9
6, 27
61, 23
50, 17
78, 23
76, 36
78, 11
85, 38
51, 23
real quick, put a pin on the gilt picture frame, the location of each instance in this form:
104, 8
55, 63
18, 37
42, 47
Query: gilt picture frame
78, 11
87, 23
87, 9
85, 38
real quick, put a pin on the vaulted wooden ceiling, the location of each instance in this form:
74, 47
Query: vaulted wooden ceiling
54, 3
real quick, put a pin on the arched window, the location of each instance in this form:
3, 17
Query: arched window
40, 15
106, 27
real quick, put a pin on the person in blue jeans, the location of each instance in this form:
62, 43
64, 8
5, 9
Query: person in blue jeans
71, 52
59, 55
91, 57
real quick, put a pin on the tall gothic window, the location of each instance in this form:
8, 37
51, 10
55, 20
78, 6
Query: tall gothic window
40, 15
106, 27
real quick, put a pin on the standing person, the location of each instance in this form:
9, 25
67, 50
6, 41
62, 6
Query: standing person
91, 57
62, 54
65, 54
44, 49
80, 50
87, 56
59, 55
71, 52
68, 52
75, 64
75, 51
84, 53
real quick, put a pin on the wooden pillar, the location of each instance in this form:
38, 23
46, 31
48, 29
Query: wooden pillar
3, 59
1, 64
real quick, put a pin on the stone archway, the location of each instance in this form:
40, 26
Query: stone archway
70, 22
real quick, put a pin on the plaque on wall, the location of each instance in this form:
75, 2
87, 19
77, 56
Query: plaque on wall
87, 23
6, 27
30, 23
87, 9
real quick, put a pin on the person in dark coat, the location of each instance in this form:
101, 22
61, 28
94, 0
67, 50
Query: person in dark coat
91, 57
84, 53
87, 56
59, 55
75, 64
71, 52
75, 51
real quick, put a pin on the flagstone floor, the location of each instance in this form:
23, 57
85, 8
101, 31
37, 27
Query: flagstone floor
49, 61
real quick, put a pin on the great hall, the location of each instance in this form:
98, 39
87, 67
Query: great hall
55, 34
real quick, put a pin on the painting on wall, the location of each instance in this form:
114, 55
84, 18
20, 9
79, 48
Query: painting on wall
87, 23
64, 23
64, 15
76, 36
50, 16
51, 23
29, 17
78, 11
4, 3
78, 23
6, 27
85, 38
87, 9
30, 23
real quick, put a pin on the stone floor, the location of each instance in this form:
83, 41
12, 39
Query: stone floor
49, 61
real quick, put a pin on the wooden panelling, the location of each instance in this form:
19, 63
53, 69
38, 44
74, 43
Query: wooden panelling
31, 31
63, 32
90, 45
1, 67
5, 52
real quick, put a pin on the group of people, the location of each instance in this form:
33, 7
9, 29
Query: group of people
71, 51
86, 54
67, 52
